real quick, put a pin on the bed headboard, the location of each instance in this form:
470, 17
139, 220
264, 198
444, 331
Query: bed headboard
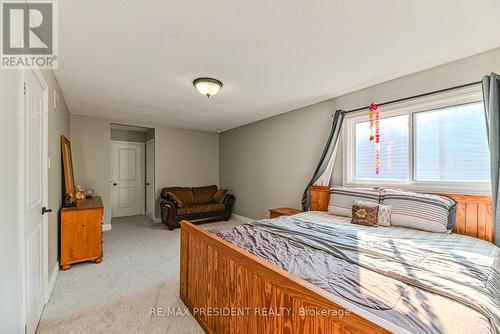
474, 213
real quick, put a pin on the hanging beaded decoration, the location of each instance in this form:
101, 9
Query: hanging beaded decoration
374, 115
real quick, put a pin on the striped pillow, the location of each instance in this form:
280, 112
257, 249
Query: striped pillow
425, 212
342, 199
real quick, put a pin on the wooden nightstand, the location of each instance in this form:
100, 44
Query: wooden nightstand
274, 213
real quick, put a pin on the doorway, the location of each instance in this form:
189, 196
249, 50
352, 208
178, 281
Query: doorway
132, 171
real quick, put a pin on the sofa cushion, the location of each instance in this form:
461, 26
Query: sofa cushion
219, 195
184, 194
202, 195
196, 208
173, 197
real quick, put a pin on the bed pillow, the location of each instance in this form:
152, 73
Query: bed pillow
384, 213
342, 199
425, 212
365, 214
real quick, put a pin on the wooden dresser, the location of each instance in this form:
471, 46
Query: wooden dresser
81, 232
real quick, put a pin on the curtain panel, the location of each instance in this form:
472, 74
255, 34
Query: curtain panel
491, 94
323, 171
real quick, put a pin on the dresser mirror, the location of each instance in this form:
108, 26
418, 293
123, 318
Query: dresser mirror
69, 175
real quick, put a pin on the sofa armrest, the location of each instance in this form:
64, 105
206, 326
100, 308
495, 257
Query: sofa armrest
228, 202
168, 211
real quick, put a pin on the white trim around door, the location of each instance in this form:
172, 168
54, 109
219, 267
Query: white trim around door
150, 179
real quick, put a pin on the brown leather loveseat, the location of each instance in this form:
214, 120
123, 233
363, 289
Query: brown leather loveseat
197, 204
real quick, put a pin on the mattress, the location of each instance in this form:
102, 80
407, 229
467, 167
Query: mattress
424, 282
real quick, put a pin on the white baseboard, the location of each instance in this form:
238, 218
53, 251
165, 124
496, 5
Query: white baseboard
242, 219
106, 227
52, 281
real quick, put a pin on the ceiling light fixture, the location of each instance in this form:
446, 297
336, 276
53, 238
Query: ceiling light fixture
207, 86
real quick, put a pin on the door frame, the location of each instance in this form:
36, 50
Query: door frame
22, 187
142, 176
154, 176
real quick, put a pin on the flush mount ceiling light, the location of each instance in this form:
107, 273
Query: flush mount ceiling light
207, 86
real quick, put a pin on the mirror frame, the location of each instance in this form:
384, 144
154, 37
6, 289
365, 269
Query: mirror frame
69, 185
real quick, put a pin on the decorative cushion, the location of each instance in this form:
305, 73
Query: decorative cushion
426, 212
174, 199
202, 195
365, 214
384, 213
197, 208
184, 194
342, 199
219, 195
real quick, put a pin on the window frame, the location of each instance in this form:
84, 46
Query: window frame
461, 96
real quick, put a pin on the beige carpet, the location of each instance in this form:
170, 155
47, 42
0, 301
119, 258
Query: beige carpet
140, 270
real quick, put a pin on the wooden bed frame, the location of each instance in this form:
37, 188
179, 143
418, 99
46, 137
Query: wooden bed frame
229, 290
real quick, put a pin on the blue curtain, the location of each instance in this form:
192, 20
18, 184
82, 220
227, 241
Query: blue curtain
491, 94
326, 157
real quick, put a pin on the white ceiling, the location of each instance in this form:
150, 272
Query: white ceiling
134, 61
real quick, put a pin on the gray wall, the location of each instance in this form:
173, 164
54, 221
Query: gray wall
59, 124
127, 135
183, 157
91, 149
268, 163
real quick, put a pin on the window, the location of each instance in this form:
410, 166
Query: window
393, 149
436, 143
451, 144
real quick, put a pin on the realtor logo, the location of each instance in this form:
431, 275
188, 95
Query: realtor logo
29, 34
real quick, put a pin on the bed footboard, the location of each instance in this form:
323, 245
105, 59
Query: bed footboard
229, 290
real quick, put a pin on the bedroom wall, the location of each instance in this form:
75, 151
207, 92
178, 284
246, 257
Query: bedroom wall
268, 163
59, 124
183, 157
91, 149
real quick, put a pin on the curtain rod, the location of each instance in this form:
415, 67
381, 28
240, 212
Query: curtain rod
412, 97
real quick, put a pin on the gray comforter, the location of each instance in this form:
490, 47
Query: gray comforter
422, 287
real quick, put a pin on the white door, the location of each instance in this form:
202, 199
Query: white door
150, 179
35, 196
127, 178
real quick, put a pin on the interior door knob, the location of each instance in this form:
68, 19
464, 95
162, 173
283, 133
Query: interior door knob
45, 210
148, 184
115, 184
